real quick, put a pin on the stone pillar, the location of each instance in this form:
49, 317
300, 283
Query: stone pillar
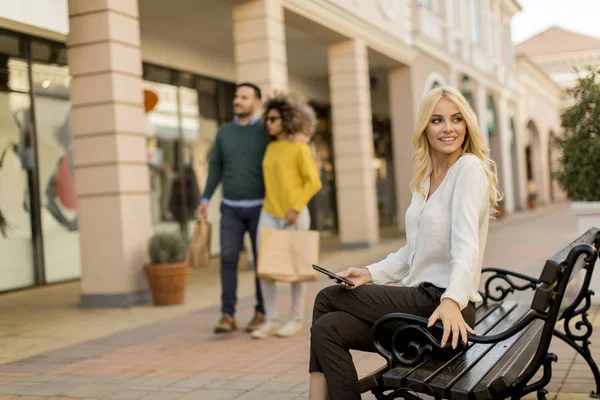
111, 173
481, 111
403, 111
259, 41
522, 135
506, 175
353, 143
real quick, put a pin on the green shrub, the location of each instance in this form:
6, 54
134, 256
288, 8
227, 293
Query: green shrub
166, 248
579, 172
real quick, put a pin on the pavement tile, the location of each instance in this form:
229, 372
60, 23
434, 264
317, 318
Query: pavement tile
160, 381
40, 378
190, 383
13, 389
127, 395
92, 389
49, 388
176, 389
302, 388
212, 394
241, 385
144, 388
162, 396
267, 396
275, 387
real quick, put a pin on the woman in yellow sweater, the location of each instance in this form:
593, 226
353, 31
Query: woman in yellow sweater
291, 180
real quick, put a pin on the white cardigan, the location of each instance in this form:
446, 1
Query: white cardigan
445, 235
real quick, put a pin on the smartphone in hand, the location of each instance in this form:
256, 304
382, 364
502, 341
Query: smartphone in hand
332, 275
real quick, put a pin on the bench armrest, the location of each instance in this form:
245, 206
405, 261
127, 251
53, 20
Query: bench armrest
411, 340
505, 276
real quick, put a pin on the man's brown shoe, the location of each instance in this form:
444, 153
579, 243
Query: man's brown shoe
256, 322
226, 324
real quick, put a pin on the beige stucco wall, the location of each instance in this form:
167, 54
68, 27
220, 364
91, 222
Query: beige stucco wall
181, 55
539, 105
424, 68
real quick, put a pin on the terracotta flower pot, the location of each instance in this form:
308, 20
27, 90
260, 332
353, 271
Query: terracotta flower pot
167, 282
501, 212
532, 203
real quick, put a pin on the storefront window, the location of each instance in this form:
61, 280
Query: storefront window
163, 126
56, 172
323, 205
384, 171
491, 116
183, 120
17, 268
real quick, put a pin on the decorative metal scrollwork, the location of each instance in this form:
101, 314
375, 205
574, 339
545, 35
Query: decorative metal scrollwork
505, 276
576, 315
411, 340
405, 393
542, 382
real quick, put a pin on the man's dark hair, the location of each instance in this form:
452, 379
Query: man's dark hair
257, 91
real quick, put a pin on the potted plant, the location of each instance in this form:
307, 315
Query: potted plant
579, 163
501, 210
167, 272
532, 200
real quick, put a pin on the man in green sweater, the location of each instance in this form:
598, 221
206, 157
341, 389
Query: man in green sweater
236, 160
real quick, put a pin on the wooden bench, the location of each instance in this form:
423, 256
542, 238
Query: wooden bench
512, 341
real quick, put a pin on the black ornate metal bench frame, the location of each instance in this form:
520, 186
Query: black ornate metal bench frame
413, 345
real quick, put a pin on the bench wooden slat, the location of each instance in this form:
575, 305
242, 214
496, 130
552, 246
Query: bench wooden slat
415, 376
465, 383
474, 362
511, 363
485, 309
370, 381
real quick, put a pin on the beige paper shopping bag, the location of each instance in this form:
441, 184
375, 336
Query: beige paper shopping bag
198, 253
288, 255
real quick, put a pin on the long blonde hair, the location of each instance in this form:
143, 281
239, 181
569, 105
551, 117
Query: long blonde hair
473, 143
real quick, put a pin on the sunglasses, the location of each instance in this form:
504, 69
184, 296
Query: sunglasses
273, 119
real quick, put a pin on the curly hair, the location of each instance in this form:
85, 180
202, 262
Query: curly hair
297, 116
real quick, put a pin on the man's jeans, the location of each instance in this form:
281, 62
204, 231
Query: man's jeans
235, 222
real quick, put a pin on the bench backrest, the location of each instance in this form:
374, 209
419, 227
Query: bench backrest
557, 271
556, 275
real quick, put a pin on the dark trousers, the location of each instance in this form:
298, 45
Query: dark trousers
235, 222
342, 320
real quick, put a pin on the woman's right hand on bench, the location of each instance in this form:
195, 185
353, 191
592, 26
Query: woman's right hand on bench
358, 276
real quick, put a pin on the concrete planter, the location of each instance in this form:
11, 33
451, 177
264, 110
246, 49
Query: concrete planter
588, 215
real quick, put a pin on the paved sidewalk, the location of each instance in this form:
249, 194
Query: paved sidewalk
51, 349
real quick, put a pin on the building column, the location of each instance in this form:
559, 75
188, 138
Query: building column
259, 42
403, 112
481, 111
505, 173
521, 142
111, 173
353, 143
544, 171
